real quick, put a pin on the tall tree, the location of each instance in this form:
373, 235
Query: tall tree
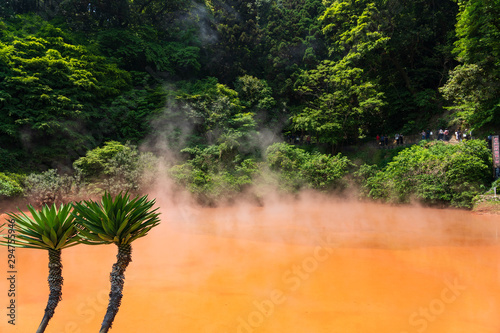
292, 40
120, 221
342, 94
417, 59
238, 46
474, 85
341, 103
50, 229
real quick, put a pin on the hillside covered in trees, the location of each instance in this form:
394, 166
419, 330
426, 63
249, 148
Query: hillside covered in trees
217, 82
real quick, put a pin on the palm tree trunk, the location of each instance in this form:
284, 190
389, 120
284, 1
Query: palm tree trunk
55, 285
117, 278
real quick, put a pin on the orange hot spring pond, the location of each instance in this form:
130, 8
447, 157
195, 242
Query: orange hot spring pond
306, 266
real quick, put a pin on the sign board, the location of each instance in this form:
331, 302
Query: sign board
495, 145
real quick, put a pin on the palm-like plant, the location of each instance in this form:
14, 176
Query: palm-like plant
121, 221
49, 229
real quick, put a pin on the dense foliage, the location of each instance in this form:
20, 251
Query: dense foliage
215, 83
9, 186
474, 85
50, 88
297, 168
114, 167
432, 173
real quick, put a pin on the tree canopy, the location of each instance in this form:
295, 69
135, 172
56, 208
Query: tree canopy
220, 80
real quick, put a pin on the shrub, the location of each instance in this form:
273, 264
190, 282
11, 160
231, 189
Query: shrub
326, 172
10, 185
361, 176
434, 173
211, 177
115, 167
297, 168
48, 187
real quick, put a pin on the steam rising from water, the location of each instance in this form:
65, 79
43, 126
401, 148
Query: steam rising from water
309, 265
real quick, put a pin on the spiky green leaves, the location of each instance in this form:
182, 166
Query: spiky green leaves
48, 228
118, 220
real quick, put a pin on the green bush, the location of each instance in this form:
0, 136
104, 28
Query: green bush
434, 173
326, 172
10, 185
286, 162
48, 187
361, 176
297, 168
115, 167
213, 177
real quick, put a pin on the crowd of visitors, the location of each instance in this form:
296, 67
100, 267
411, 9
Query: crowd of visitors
398, 139
441, 134
385, 141
445, 135
298, 139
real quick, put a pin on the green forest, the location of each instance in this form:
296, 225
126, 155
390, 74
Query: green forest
235, 97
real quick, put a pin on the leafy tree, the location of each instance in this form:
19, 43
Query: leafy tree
50, 229
120, 221
93, 14
407, 43
254, 92
18, 7
97, 15
213, 113
474, 92
341, 98
129, 115
285, 157
354, 29
341, 102
157, 12
474, 86
6, 9
257, 96
145, 47
478, 31
238, 44
292, 39
416, 60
